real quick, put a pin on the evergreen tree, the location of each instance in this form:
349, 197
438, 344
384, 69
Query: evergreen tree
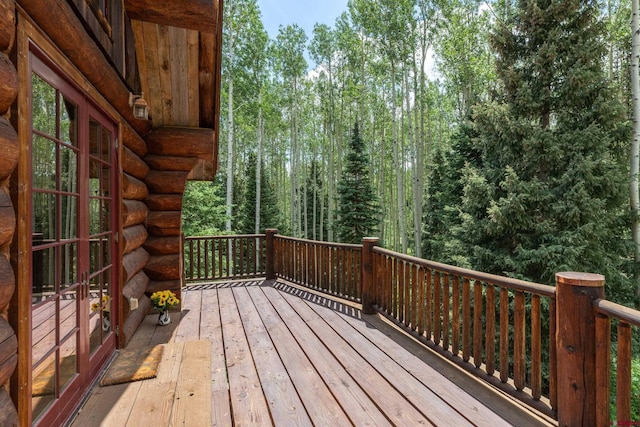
203, 209
442, 223
358, 208
269, 215
549, 194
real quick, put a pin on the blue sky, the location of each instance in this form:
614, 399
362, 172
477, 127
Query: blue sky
305, 13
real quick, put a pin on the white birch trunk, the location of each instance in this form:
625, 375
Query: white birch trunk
635, 142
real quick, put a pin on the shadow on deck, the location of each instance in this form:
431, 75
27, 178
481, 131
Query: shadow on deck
269, 353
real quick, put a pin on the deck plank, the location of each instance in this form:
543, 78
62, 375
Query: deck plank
284, 402
261, 354
247, 400
191, 390
321, 405
361, 409
429, 403
387, 398
428, 376
211, 330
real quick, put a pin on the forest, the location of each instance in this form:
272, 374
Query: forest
494, 135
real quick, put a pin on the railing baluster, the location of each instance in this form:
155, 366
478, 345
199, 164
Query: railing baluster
603, 358
445, 312
429, 306
553, 361
536, 349
421, 300
436, 308
455, 327
466, 319
414, 298
504, 335
519, 337
623, 373
490, 333
477, 323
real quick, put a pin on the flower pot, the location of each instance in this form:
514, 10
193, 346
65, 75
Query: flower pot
163, 318
106, 322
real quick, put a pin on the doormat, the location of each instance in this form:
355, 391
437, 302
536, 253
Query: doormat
133, 365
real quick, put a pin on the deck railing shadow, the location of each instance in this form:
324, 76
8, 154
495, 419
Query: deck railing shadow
547, 346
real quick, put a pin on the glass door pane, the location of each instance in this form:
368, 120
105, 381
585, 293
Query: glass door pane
55, 245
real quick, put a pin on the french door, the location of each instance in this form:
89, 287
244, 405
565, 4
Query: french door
73, 223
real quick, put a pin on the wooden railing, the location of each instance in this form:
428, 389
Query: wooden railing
625, 320
214, 258
332, 268
550, 347
490, 325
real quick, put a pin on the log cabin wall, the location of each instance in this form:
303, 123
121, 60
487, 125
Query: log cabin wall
104, 58
9, 150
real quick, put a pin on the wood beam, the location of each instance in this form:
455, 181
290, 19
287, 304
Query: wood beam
201, 15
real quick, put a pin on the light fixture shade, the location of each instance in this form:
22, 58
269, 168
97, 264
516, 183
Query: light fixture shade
140, 106
140, 109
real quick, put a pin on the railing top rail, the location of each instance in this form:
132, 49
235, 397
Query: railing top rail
226, 236
319, 242
507, 282
617, 311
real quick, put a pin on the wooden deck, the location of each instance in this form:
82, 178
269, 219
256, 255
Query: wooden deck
258, 353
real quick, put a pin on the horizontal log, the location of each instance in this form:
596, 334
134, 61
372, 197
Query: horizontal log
8, 412
134, 212
134, 262
133, 188
9, 149
7, 29
7, 282
7, 217
7, 368
165, 245
8, 341
198, 15
164, 202
133, 164
166, 182
134, 237
134, 288
61, 24
204, 170
133, 141
163, 267
182, 142
8, 82
170, 163
164, 223
135, 318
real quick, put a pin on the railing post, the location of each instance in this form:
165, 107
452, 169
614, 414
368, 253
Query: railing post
366, 274
576, 347
270, 270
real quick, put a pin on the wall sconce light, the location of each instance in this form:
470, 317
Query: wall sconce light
140, 106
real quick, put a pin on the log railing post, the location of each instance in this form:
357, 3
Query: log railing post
270, 271
366, 275
576, 347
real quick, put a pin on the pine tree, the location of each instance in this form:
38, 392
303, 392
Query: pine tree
549, 194
358, 208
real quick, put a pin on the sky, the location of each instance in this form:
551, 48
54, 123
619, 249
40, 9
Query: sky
305, 13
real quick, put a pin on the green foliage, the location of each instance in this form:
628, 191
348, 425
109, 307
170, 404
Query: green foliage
358, 210
203, 209
550, 191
